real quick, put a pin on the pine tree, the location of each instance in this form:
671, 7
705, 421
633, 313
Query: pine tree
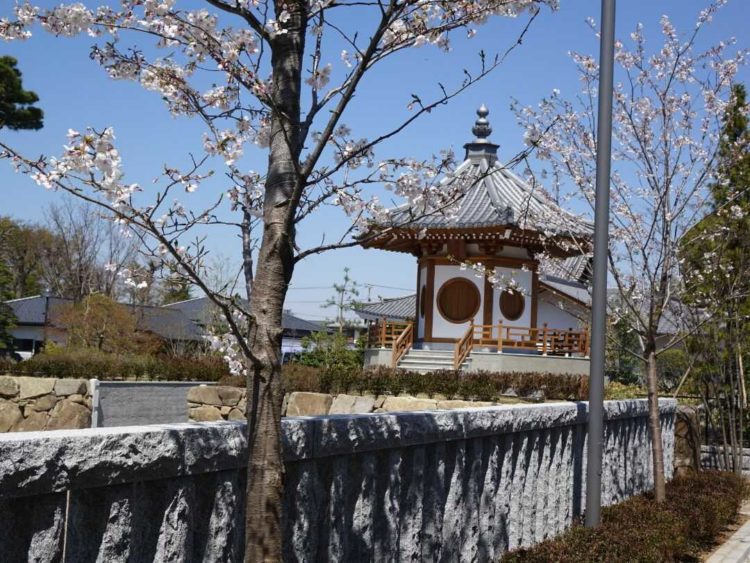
175, 290
16, 104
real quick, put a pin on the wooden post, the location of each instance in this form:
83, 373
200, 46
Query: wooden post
500, 337
544, 340
382, 332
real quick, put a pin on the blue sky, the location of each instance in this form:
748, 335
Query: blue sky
75, 93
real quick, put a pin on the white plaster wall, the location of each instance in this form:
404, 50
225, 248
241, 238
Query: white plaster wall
549, 312
420, 318
442, 328
37, 333
525, 280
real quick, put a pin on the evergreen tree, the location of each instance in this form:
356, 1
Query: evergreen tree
16, 104
7, 318
175, 290
716, 268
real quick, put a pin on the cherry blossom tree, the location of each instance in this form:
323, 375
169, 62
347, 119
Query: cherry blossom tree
668, 105
270, 75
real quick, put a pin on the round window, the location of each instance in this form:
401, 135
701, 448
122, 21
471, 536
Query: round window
511, 304
422, 300
458, 300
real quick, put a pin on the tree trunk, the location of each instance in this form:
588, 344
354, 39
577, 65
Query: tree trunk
657, 448
265, 474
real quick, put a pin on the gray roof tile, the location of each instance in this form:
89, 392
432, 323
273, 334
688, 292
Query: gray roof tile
495, 197
398, 308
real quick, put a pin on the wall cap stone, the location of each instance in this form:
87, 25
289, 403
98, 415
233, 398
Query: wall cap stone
35, 463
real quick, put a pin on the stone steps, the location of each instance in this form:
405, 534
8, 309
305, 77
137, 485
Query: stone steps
425, 361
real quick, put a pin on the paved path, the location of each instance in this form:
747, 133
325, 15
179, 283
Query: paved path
737, 547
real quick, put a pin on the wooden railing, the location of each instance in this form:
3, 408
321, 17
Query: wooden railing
547, 341
399, 336
464, 346
383, 334
402, 345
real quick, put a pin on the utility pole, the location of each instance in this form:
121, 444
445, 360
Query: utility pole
601, 250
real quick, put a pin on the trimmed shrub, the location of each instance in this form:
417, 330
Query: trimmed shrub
697, 509
482, 386
618, 391
479, 386
86, 363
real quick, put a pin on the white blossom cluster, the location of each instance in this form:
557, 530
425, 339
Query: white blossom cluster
92, 154
212, 63
668, 103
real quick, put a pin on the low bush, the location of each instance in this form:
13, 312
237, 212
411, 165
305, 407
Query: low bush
482, 386
86, 363
6, 364
696, 510
617, 391
479, 386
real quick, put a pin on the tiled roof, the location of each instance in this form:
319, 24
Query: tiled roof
495, 197
202, 311
170, 324
577, 268
399, 308
31, 310
571, 289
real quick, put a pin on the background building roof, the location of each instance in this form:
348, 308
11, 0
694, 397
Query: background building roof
203, 312
167, 323
398, 308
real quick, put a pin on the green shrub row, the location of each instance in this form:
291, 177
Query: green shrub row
639, 530
87, 363
482, 386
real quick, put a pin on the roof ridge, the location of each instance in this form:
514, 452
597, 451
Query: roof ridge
185, 301
24, 298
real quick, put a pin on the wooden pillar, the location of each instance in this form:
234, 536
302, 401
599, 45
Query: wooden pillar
430, 299
534, 297
489, 298
417, 317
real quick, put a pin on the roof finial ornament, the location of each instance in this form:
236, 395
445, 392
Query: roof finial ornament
482, 129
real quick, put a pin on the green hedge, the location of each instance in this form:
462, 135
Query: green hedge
696, 511
86, 364
482, 386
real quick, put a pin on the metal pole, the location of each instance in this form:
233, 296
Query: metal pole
601, 246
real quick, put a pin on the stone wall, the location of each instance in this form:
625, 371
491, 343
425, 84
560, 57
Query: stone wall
213, 403
462, 485
712, 457
687, 441
36, 403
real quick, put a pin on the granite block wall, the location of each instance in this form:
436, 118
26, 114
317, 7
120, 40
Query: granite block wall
459, 485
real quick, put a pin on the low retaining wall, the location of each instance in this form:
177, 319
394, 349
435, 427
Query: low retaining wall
523, 363
452, 486
37, 403
712, 457
209, 403
492, 361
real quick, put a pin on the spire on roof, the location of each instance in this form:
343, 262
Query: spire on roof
481, 147
482, 128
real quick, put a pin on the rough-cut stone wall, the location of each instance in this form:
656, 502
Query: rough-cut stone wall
462, 485
212, 403
712, 457
687, 441
37, 403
